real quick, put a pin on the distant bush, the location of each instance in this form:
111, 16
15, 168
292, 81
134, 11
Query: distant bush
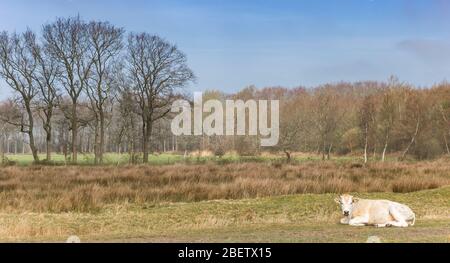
247, 146
219, 151
429, 149
6, 162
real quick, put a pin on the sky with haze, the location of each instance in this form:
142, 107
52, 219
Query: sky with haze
231, 44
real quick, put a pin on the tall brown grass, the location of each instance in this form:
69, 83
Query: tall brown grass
88, 189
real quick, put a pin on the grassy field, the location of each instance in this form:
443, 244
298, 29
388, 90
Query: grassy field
168, 159
296, 218
260, 201
89, 188
88, 159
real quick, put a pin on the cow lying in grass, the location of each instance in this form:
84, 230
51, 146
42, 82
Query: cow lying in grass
379, 213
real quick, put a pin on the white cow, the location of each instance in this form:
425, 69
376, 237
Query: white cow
379, 213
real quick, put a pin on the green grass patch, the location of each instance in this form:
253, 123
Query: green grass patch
171, 158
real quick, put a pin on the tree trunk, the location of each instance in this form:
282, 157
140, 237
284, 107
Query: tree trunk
48, 131
102, 136
176, 144
288, 156
147, 141
48, 147
366, 144
130, 149
30, 134
446, 144
96, 143
2, 152
445, 136
383, 156
74, 131
374, 155
413, 139
173, 143
65, 145
329, 152
144, 142
323, 150
32, 146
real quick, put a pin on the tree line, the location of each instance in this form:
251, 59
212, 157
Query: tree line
371, 119
88, 87
368, 119
71, 74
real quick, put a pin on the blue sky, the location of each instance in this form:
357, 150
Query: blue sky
234, 43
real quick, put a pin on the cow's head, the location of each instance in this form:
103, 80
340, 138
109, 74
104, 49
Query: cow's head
346, 202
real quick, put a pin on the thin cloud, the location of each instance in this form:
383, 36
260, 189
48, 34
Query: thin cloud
432, 52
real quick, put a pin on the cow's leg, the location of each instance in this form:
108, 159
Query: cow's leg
381, 225
399, 219
397, 224
359, 221
345, 221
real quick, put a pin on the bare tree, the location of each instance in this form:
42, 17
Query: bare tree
387, 117
156, 69
388, 112
367, 123
412, 122
45, 77
326, 114
127, 122
443, 112
67, 42
294, 121
17, 67
105, 42
445, 120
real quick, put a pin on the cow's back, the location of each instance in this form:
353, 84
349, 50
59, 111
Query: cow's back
377, 211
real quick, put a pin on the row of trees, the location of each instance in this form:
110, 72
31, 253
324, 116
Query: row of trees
367, 119
78, 70
370, 117
80, 87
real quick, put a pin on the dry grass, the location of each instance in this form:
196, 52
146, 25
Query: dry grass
89, 189
199, 153
294, 218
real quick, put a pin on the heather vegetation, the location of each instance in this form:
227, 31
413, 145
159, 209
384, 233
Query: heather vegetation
90, 189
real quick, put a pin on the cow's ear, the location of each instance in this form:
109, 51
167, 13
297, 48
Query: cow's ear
337, 200
355, 200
